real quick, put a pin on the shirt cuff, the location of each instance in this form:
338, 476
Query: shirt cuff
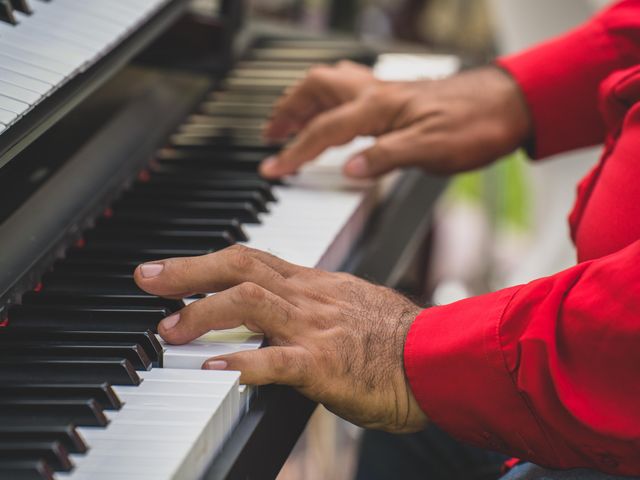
560, 80
455, 366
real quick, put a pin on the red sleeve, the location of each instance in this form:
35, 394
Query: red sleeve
548, 372
560, 78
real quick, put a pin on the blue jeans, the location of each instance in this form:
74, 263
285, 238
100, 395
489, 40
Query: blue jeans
533, 472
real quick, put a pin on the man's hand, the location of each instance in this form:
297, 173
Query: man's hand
338, 339
324, 88
443, 126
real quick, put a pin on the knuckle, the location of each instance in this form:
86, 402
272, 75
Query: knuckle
240, 260
249, 292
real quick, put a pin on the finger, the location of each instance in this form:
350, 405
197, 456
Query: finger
282, 365
208, 273
302, 102
397, 149
332, 128
247, 304
290, 114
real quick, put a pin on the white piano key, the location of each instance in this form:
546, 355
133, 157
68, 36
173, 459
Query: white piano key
212, 344
32, 71
170, 401
120, 431
46, 47
118, 464
171, 426
29, 34
24, 81
7, 117
170, 374
61, 39
13, 105
51, 16
39, 60
135, 416
19, 93
169, 387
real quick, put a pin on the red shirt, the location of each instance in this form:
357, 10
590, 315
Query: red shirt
550, 371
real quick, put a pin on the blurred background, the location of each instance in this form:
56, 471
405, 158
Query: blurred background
502, 226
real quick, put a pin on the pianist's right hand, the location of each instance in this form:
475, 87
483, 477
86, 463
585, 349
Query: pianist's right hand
336, 338
443, 126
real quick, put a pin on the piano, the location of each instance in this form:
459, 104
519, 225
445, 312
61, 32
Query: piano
120, 142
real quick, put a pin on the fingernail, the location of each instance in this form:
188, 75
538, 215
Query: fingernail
216, 365
170, 322
150, 270
358, 166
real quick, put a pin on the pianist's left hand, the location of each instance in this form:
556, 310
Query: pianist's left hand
336, 338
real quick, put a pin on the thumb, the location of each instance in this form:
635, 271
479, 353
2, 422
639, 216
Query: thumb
396, 149
281, 365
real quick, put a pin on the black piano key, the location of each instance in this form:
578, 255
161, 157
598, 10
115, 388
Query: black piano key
101, 255
243, 212
89, 284
146, 340
198, 120
115, 372
168, 155
107, 301
21, 6
189, 160
247, 99
315, 55
49, 312
77, 351
230, 130
103, 393
53, 453
134, 223
126, 239
67, 435
256, 199
262, 85
190, 173
236, 110
25, 470
6, 13
300, 66
252, 185
144, 253
193, 141
84, 413
101, 268
177, 217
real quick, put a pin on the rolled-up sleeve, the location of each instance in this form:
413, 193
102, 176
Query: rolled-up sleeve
560, 79
548, 372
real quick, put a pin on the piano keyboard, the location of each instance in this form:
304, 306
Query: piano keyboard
43, 44
87, 391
